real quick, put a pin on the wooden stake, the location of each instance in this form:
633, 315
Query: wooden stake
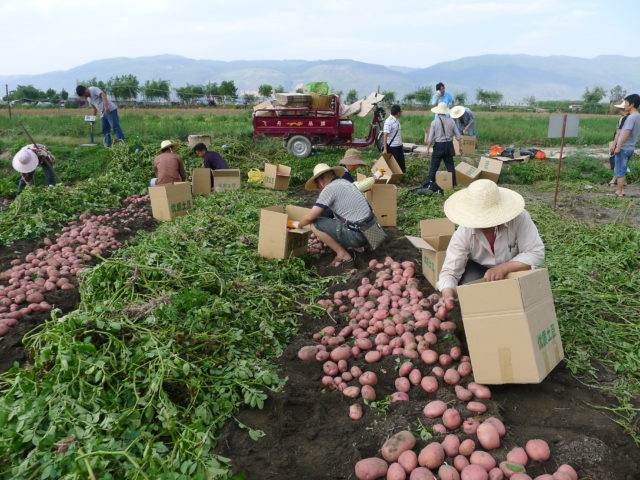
564, 129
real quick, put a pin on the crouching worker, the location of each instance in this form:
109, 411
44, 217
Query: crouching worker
212, 160
168, 167
26, 161
495, 237
350, 163
353, 215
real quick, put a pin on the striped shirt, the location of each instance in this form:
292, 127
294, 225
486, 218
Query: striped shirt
345, 200
443, 129
393, 130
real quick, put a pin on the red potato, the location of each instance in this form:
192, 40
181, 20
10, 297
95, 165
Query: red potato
364, 344
306, 353
399, 397
496, 474
517, 455
463, 394
368, 378
67, 286
467, 447
421, 473
351, 392
451, 376
510, 468
346, 377
455, 352
409, 460
397, 444
330, 368
445, 360
405, 369
460, 462
474, 472
355, 411
538, 450
431, 456
3, 329
498, 424
396, 472
402, 384
343, 352
415, 377
439, 428
372, 356
356, 371
451, 445
451, 419
488, 436
429, 357
480, 391
464, 369
447, 326
327, 380
447, 472
368, 393
371, 468
484, 459
437, 371
568, 469
559, 476
476, 407
322, 356
434, 409
546, 476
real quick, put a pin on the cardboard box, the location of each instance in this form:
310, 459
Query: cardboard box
384, 202
275, 239
444, 180
201, 181
170, 200
276, 176
433, 241
392, 171
466, 173
195, 139
468, 145
226, 179
511, 328
490, 168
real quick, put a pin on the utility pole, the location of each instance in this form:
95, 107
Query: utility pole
6, 86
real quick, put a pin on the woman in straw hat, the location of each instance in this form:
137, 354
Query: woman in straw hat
495, 237
168, 167
351, 161
26, 161
349, 206
443, 130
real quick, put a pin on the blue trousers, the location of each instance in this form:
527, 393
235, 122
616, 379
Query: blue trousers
49, 177
111, 121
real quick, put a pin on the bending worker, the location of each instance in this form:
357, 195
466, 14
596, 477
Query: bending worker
351, 209
168, 167
495, 237
26, 161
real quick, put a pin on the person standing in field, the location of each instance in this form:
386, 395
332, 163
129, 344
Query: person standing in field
612, 147
26, 161
441, 96
466, 122
392, 137
100, 103
441, 133
626, 142
168, 167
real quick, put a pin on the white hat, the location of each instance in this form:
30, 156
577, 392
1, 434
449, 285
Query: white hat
25, 161
353, 157
620, 105
483, 205
319, 170
441, 109
457, 111
167, 144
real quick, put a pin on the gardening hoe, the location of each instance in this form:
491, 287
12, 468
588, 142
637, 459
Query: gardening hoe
36, 147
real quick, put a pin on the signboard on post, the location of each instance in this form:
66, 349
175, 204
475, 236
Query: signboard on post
562, 126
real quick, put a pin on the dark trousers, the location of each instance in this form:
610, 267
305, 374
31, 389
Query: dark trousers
442, 152
398, 154
472, 272
49, 177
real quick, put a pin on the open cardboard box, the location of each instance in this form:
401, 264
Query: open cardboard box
490, 168
201, 181
392, 171
170, 200
466, 146
511, 328
275, 239
226, 179
434, 239
276, 176
466, 173
384, 202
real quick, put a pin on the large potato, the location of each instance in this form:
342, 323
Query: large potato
451, 445
538, 450
434, 409
396, 444
409, 460
307, 352
498, 424
451, 418
429, 384
431, 456
474, 472
488, 436
371, 468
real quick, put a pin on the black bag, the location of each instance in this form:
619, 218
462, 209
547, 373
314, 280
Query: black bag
612, 161
428, 188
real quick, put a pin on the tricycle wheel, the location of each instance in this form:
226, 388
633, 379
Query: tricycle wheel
380, 141
299, 146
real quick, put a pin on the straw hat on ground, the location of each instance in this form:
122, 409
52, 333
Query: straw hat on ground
25, 161
352, 157
457, 111
620, 105
167, 143
483, 205
319, 170
441, 109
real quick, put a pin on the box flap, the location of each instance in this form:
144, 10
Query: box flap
487, 164
283, 171
229, 172
437, 232
420, 243
482, 298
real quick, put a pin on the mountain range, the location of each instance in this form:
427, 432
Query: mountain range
515, 76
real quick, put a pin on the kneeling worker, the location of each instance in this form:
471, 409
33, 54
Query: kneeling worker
168, 167
352, 211
26, 161
495, 237
212, 159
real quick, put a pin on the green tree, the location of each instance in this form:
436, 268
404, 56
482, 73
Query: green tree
27, 93
228, 88
278, 89
409, 98
617, 94
352, 95
389, 97
51, 95
64, 94
249, 98
190, 93
156, 90
460, 98
124, 87
423, 95
212, 89
265, 90
530, 101
488, 97
593, 97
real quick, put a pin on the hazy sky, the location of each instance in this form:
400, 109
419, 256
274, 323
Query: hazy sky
45, 35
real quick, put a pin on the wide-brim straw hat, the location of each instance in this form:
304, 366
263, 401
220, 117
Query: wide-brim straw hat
483, 205
457, 111
620, 105
441, 109
319, 170
167, 144
352, 157
25, 161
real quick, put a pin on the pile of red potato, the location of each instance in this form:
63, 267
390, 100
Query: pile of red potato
316, 245
60, 260
391, 316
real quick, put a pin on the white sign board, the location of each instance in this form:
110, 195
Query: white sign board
555, 126
89, 118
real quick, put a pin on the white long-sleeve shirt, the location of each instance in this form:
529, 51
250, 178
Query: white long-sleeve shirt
517, 240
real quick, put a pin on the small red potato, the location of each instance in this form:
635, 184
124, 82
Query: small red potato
438, 371
460, 462
463, 394
568, 469
451, 418
409, 460
517, 455
431, 456
405, 369
402, 384
343, 352
480, 391
439, 428
307, 352
355, 411
429, 384
488, 436
476, 407
484, 459
496, 474
368, 393
470, 426
451, 376
399, 397
509, 468
559, 476
474, 472
451, 445
434, 409
372, 356
464, 369
421, 473
397, 444
429, 357
368, 378
351, 392
538, 450
467, 447
330, 368
415, 377
447, 472
396, 472
371, 468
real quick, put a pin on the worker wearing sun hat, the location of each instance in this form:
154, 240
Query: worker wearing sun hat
167, 166
26, 161
441, 134
351, 161
612, 145
351, 210
495, 237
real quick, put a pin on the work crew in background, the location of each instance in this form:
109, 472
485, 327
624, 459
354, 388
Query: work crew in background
495, 237
100, 103
612, 147
212, 160
26, 161
441, 133
465, 120
351, 161
441, 96
392, 136
352, 213
626, 142
168, 167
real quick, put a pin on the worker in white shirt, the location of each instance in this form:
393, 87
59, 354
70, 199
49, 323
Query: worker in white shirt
495, 237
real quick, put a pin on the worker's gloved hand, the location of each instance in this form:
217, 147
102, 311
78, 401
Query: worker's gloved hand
293, 224
378, 174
